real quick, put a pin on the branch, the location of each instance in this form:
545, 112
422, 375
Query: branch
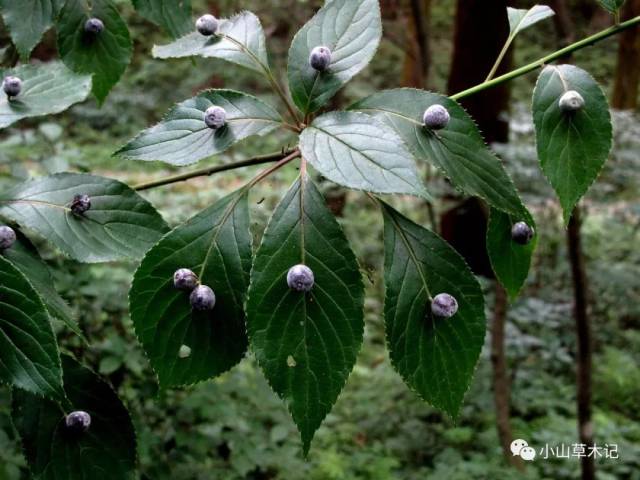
585, 42
203, 172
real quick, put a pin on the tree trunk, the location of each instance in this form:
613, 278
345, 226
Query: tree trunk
583, 332
625, 91
418, 56
501, 384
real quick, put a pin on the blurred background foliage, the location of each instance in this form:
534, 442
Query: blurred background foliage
234, 427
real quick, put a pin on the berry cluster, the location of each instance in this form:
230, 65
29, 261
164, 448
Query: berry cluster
202, 297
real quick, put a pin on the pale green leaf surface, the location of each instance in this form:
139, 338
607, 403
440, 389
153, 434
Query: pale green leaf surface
352, 30
356, 151
47, 89
216, 245
240, 40
305, 343
119, 225
182, 137
521, 19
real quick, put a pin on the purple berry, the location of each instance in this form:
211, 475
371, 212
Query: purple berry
185, 279
78, 422
320, 58
80, 204
436, 117
7, 237
207, 25
444, 305
93, 26
522, 233
300, 278
202, 298
12, 86
571, 101
215, 117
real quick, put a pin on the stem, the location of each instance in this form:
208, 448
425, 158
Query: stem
273, 168
278, 89
583, 332
203, 172
503, 52
585, 42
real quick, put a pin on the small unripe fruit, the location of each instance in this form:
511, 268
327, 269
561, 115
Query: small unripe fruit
12, 86
436, 117
7, 237
80, 204
184, 352
185, 279
444, 305
215, 117
202, 298
207, 25
93, 26
78, 422
571, 101
320, 58
521, 233
300, 278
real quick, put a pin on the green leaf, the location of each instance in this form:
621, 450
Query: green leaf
240, 40
46, 89
436, 357
510, 261
106, 451
24, 256
521, 19
216, 245
29, 357
306, 344
107, 55
611, 6
572, 147
172, 15
458, 150
182, 137
120, 223
352, 29
28, 20
356, 151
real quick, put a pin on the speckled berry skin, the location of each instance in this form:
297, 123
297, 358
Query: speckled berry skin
444, 305
185, 279
12, 86
93, 26
571, 101
80, 204
521, 233
215, 117
78, 422
202, 298
7, 237
207, 25
436, 117
320, 58
300, 278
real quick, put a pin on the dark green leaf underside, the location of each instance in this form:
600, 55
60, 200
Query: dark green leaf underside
572, 147
306, 344
29, 357
436, 357
172, 15
216, 245
106, 451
